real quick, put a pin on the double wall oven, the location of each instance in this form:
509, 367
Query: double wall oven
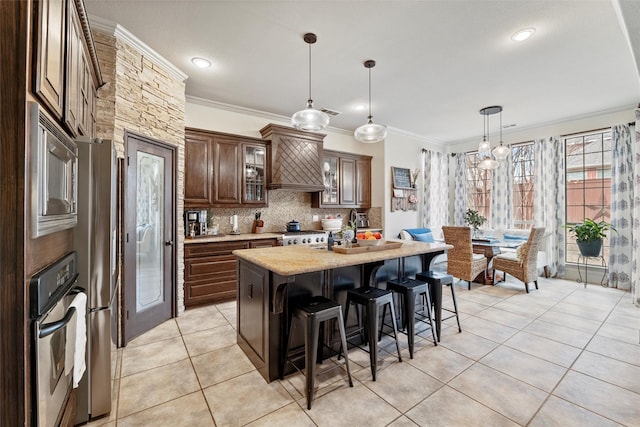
53, 338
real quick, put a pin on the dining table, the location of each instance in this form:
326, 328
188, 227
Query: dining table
490, 247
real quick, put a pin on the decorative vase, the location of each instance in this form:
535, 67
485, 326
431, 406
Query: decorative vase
590, 248
347, 237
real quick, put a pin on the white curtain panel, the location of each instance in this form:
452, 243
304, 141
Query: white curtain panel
460, 191
635, 256
549, 199
502, 196
621, 207
435, 196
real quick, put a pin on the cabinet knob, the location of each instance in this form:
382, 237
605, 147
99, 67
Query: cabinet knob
168, 243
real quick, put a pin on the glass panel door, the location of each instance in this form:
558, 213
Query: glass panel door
149, 231
254, 174
330, 171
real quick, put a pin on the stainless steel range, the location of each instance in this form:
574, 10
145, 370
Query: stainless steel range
310, 237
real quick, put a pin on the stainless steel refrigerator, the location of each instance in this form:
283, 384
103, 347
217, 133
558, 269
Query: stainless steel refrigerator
95, 241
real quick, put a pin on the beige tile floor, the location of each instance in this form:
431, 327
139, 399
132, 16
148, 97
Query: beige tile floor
563, 355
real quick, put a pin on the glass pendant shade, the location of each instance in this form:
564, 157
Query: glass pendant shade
501, 152
370, 133
488, 163
485, 145
310, 119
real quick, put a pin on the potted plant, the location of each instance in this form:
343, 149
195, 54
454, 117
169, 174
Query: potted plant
474, 219
589, 235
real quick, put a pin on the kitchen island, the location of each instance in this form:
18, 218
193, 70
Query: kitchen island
269, 277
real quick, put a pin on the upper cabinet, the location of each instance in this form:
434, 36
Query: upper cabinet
50, 42
224, 170
66, 70
347, 181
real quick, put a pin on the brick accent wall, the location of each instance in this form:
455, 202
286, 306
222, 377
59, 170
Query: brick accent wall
143, 97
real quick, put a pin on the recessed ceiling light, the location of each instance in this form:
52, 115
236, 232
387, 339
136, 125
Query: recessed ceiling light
201, 62
523, 34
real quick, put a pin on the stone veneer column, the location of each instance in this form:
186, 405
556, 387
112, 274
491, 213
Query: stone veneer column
147, 97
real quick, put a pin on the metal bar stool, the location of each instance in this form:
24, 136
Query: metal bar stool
436, 281
314, 311
372, 299
408, 290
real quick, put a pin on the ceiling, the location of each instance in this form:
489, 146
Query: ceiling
438, 62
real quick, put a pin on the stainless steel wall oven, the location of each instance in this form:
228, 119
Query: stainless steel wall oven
51, 292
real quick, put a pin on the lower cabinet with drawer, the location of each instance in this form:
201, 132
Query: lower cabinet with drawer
211, 271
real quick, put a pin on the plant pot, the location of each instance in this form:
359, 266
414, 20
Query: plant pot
590, 248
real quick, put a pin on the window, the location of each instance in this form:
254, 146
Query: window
523, 161
478, 186
588, 184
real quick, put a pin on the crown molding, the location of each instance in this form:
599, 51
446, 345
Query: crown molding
111, 28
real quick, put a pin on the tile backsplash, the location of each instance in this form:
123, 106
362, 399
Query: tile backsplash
285, 206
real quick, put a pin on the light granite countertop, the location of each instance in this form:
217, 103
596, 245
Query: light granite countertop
292, 260
231, 238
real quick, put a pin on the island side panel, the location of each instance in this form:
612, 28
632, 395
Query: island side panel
253, 313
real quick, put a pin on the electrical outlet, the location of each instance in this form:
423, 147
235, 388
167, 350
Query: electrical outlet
316, 218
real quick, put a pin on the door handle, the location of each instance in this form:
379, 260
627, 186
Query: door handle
168, 243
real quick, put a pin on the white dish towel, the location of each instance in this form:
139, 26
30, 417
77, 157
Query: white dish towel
77, 339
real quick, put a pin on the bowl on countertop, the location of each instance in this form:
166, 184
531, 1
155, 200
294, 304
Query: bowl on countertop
332, 224
370, 242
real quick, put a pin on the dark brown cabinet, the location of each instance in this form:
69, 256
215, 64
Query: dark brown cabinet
224, 170
198, 170
347, 180
211, 271
66, 75
49, 66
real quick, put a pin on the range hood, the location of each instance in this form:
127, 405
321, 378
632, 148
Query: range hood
296, 159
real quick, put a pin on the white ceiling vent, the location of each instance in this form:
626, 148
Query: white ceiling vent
330, 112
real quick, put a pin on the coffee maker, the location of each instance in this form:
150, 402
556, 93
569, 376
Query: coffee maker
195, 223
362, 220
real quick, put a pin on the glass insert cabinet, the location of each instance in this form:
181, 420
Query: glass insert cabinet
254, 173
347, 181
330, 177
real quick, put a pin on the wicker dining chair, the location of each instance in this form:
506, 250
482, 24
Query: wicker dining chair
523, 263
461, 261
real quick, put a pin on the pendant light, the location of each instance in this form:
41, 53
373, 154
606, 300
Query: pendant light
488, 162
310, 119
370, 132
485, 145
501, 151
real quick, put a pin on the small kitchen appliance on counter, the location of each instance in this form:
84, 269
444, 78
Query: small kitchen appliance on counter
362, 220
195, 223
233, 220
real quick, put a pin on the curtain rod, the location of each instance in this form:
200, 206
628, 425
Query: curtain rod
593, 130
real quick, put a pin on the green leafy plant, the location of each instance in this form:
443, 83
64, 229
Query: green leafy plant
474, 219
588, 230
